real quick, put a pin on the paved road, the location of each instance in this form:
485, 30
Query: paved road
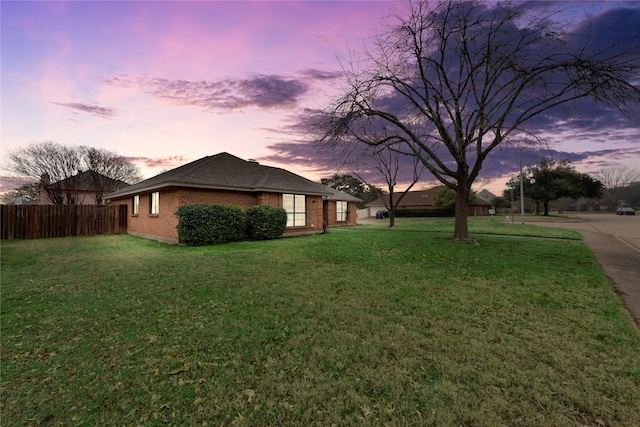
615, 242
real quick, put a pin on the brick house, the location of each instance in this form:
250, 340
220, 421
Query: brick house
85, 188
229, 180
423, 199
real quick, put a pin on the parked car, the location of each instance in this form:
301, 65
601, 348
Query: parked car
382, 214
625, 211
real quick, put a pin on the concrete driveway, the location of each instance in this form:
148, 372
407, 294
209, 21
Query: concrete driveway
615, 243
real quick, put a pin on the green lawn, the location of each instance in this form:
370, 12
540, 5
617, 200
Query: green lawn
361, 326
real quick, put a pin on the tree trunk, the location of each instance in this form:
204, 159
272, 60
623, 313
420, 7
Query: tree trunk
546, 208
392, 208
461, 228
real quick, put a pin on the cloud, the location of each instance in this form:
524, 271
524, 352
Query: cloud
302, 155
158, 162
573, 124
321, 74
323, 162
104, 112
613, 31
12, 182
259, 90
595, 160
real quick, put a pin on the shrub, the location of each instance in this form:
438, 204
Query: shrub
210, 224
266, 222
425, 212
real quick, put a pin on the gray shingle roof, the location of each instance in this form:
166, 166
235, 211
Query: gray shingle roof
412, 198
417, 198
341, 195
227, 172
87, 180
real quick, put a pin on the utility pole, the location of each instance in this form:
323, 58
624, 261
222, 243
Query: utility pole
521, 191
512, 184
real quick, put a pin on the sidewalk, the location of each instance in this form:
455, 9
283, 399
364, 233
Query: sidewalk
621, 264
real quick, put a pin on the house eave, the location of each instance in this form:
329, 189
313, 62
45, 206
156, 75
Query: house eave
151, 188
280, 190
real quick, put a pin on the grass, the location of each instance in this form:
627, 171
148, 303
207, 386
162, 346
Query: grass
361, 326
479, 226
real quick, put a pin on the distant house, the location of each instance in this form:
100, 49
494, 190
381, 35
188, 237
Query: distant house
227, 179
486, 195
85, 188
423, 199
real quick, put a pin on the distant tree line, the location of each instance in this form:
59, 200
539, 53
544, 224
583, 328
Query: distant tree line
354, 186
550, 181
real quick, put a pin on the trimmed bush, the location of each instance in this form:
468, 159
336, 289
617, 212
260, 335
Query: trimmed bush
210, 224
266, 222
425, 212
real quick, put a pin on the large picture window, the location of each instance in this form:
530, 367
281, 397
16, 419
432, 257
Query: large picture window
136, 205
341, 211
154, 203
295, 205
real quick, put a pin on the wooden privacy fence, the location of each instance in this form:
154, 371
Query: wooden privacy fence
40, 221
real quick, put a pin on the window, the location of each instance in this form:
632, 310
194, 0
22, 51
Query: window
154, 203
341, 211
136, 205
295, 205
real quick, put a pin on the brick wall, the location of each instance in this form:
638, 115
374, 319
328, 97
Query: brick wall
330, 213
352, 207
193, 196
271, 199
162, 226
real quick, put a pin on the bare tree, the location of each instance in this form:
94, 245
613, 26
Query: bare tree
56, 167
385, 164
615, 179
50, 164
112, 171
452, 81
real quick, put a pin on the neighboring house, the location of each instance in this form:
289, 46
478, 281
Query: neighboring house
85, 188
583, 204
423, 199
486, 195
229, 180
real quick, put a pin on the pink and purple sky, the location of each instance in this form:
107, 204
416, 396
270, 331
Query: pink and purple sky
163, 83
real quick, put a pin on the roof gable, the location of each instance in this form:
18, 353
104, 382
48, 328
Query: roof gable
486, 196
227, 172
89, 181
